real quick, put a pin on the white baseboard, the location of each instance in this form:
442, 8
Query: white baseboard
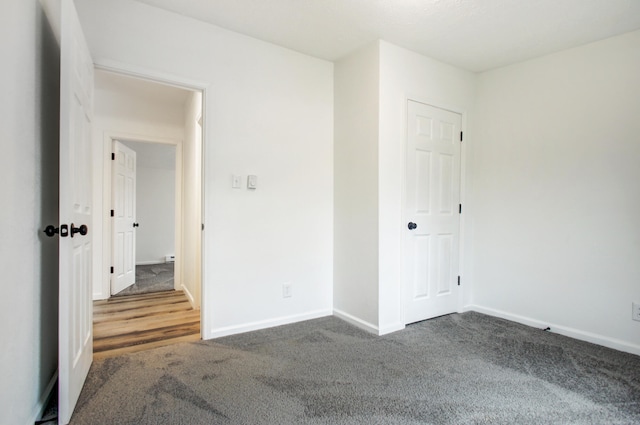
364, 325
150, 262
605, 341
99, 296
356, 321
264, 324
391, 328
190, 297
44, 398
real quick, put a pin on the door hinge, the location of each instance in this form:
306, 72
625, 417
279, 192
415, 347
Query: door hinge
458, 280
461, 136
112, 271
459, 208
113, 156
113, 213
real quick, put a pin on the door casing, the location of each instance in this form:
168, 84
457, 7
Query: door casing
107, 189
102, 263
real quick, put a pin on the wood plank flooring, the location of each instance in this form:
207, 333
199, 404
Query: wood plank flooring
139, 322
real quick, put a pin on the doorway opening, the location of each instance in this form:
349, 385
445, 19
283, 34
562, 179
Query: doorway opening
144, 223
149, 291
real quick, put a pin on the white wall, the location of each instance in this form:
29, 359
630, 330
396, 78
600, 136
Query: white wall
408, 75
29, 117
192, 194
155, 201
555, 163
268, 112
356, 186
371, 91
121, 106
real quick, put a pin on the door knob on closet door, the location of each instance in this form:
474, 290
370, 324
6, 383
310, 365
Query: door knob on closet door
412, 225
136, 224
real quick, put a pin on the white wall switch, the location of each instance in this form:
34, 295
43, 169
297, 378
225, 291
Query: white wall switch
236, 182
252, 182
286, 290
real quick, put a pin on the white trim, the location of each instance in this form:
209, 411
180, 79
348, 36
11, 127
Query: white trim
184, 83
150, 262
605, 341
108, 137
391, 328
189, 296
149, 74
355, 321
44, 399
205, 321
270, 323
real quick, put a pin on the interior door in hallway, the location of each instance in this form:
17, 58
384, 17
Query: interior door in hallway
432, 227
124, 217
75, 307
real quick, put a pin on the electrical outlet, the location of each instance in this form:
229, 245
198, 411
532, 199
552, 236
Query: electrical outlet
636, 312
286, 290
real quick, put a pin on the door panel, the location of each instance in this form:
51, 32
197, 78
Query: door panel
432, 198
75, 309
124, 207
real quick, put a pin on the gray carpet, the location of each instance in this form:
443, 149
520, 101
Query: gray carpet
150, 278
458, 369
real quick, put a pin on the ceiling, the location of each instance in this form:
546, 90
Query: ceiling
476, 35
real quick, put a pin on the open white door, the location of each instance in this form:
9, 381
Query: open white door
75, 316
431, 239
124, 215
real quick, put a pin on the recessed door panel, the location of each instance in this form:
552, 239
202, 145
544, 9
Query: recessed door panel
421, 270
423, 182
446, 181
445, 260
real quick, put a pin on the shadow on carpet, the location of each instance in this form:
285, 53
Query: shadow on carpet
458, 369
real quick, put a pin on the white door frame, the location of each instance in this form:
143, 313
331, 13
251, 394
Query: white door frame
107, 241
176, 81
462, 294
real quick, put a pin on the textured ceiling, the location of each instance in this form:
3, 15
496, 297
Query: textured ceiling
472, 34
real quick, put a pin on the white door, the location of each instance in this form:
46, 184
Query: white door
75, 315
124, 214
432, 227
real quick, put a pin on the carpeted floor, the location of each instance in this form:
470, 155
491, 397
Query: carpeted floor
150, 278
458, 369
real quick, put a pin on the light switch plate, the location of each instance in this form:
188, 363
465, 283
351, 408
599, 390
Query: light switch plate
252, 182
236, 182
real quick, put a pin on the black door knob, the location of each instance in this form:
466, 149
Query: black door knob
136, 224
51, 230
83, 230
412, 225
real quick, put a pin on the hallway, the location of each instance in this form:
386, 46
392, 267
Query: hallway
127, 324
